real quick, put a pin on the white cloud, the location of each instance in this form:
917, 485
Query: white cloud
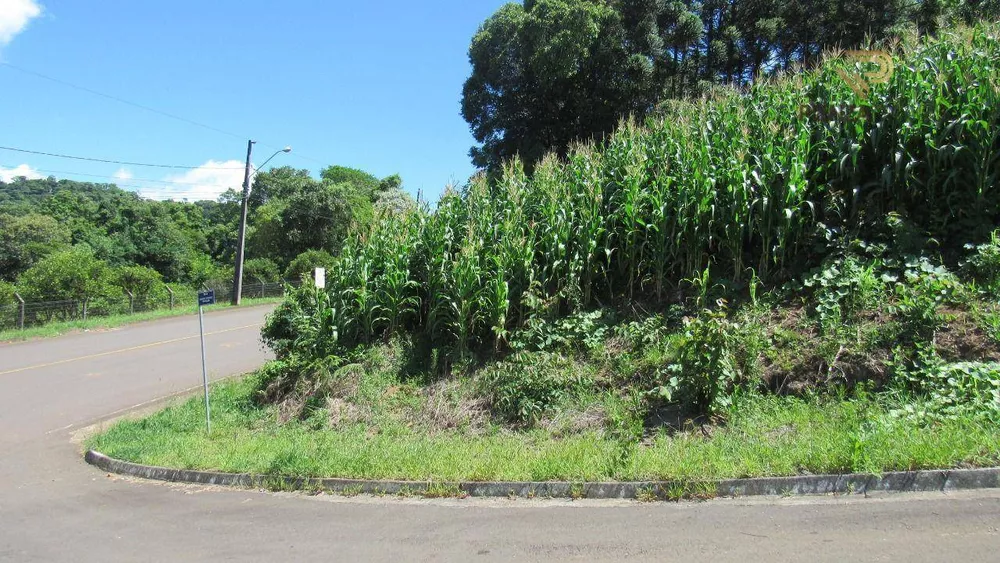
207, 182
14, 17
8, 174
123, 175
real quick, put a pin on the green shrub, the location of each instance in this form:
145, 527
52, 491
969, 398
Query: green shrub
7, 291
706, 368
920, 296
304, 333
203, 272
983, 265
956, 391
73, 274
714, 356
843, 287
528, 385
305, 326
144, 283
262, 269
643, 334
306, 263
26, 239
580, 330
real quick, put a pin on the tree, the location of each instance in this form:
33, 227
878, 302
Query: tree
394, 201
297, 213
144, 236
194, 243
7, 291
549, 72
145, 284
307, 262
205, 272
260, 269
359, 180
25, 240
390, 196
266, 232
73, 274
970, 11
390, 184
320, 219
221, 220
278, 183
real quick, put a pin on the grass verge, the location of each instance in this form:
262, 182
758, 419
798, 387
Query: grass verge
764, 436
114, 321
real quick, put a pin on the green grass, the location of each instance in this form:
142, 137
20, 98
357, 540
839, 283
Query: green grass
776, 436
97, 323
245, 439
764, 436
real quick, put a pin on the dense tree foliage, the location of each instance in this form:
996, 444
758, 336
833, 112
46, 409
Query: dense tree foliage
138, 280
307, 262
293, 212
61, 239
262, 269
75, 274
549, 72
27, 238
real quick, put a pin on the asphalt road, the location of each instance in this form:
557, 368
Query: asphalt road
53, 507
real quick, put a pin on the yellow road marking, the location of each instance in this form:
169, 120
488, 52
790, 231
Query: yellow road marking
140, 347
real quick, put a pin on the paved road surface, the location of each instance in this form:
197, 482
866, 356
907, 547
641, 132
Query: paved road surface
53, 507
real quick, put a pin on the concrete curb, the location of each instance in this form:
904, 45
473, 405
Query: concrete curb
907, 481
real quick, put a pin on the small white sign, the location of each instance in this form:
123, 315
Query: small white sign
321, 278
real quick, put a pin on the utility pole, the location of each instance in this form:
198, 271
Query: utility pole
238, 274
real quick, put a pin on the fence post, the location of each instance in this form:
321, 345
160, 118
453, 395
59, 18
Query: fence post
262, 286
85, 308
171, 292
20, 312
131, 302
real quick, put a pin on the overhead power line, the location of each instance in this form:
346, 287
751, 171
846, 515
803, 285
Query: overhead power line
109, 161
146, 108
129, 179
119, 100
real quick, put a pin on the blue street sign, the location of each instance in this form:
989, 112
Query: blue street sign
206, 298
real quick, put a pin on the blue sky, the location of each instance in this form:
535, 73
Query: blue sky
372, 85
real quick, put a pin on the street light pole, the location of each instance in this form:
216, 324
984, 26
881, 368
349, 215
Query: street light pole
238, 273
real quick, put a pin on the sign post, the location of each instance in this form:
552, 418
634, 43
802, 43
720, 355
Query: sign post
320, 278
205, 298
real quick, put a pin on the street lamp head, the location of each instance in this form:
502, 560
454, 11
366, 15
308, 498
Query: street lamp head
286, 149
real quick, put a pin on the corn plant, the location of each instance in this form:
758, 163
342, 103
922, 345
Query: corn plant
464, 297
767, 180
588, 231
395, 288
626, 177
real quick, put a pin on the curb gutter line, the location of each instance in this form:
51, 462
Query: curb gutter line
907, 481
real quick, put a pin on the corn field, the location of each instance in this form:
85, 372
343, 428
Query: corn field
742, 185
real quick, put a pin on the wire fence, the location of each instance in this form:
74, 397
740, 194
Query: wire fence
21, 315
